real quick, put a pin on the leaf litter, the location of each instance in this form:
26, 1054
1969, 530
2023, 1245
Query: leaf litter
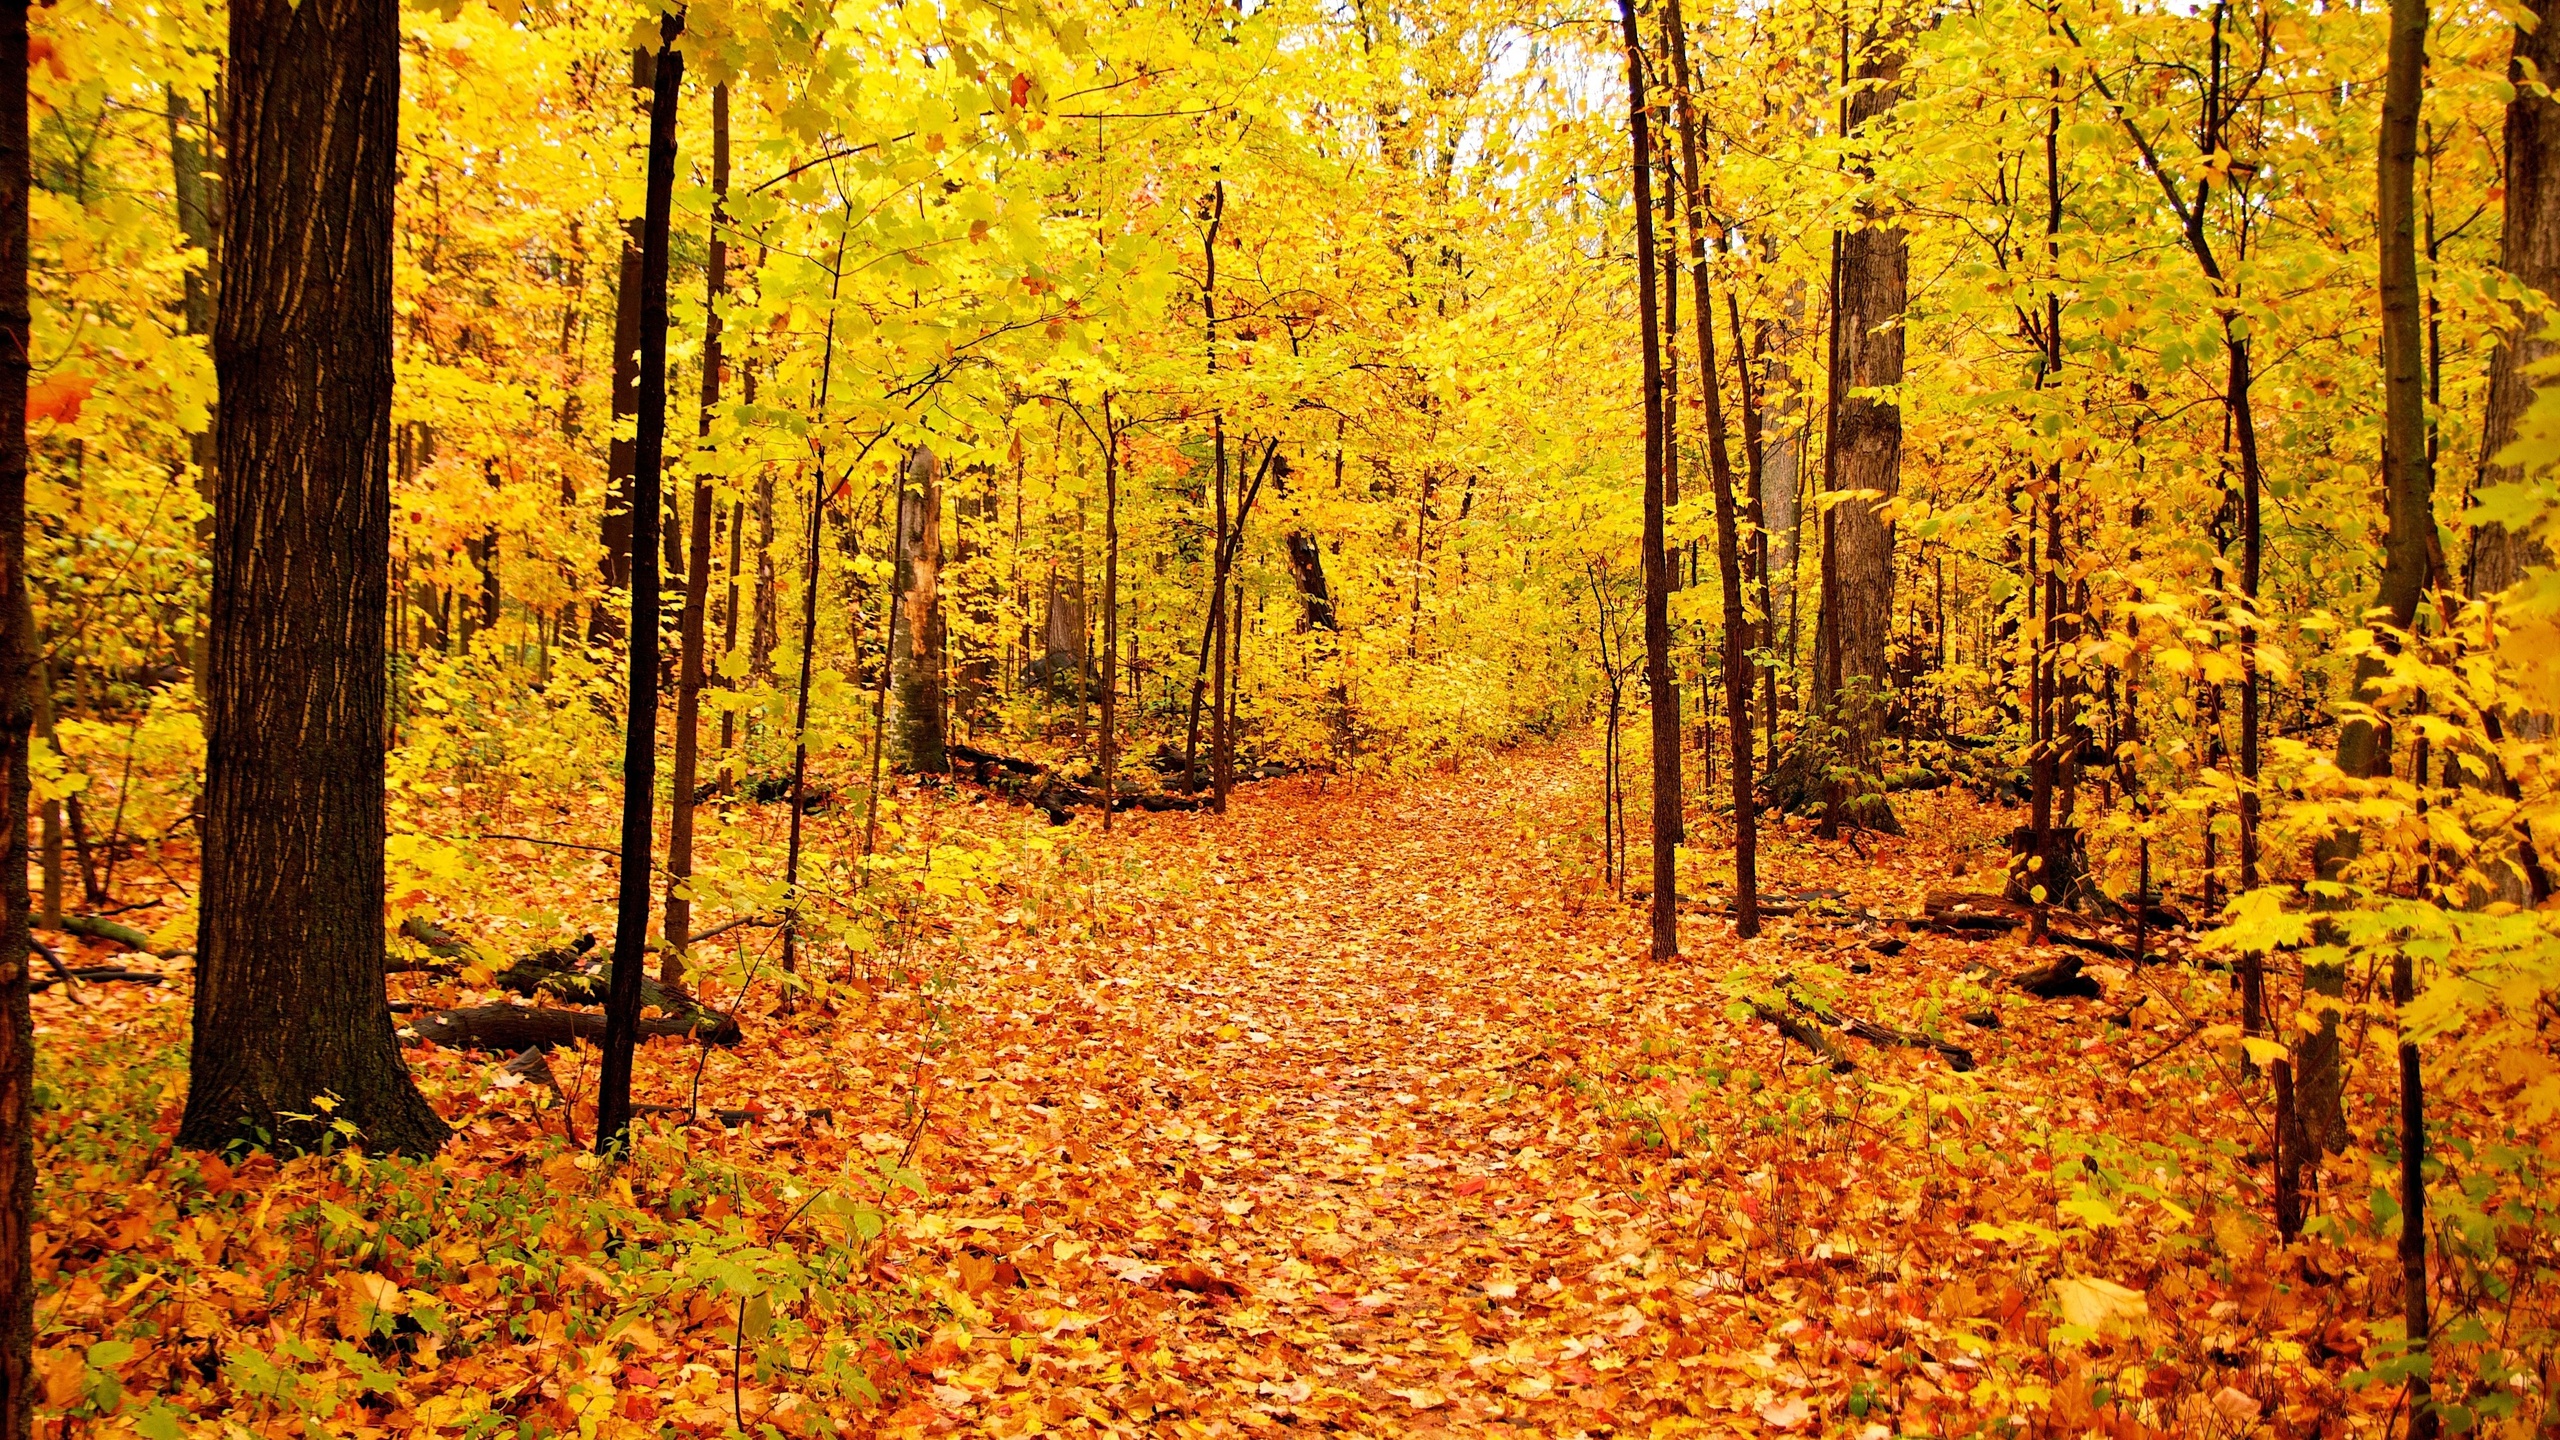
1359, 1110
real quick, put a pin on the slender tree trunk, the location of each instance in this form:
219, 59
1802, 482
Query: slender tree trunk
195, 193
614, 529
289, 1000
2045, 870
1657, 562
1218, 618
20, 674
1737, 660
42, 679
1756, 517
2423, 1420
1110, 437
640, 725
697, 580
2409, 541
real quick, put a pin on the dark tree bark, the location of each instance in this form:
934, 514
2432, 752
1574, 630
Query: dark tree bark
290, 1010
615, 528
916, 669
640, 723
2409, 542
697, 580
1657, 563
1110, 438
19, 677
195, 195
2530, 250
1306, 567
1737, 638
1874, 277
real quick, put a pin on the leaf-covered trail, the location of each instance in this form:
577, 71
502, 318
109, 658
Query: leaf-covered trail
1303, 1133
1360, 1109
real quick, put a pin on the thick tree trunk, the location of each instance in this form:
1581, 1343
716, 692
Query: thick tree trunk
917, 669
1657, 562
289, 1002
697, 581
640, 721
2530, 250
20, 674
1874, 276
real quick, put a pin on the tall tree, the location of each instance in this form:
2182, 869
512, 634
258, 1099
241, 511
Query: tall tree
640, 721
2409, 543
697, 576
1657, 562
2530, 251
1875, 264
1737, 636
292, 1025
19, 674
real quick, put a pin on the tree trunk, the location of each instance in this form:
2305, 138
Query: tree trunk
1657, 563
1874, 273
768, 626
20, 674
289, 1002
640, 722
194, 195
1110, 438
614, 529
1737, 660
2408, 543
42, 680
1306, 567
917, 667
2530, 250
697, 580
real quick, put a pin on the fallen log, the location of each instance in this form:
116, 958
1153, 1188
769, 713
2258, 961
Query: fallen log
78, 975
2057, 979
1958, 1058
1972, 913
98, 927
1808, 1035
1054, 794
522, 1027
732, 1119
990, 761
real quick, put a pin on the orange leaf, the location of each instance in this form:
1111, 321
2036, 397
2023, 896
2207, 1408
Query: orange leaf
58, 398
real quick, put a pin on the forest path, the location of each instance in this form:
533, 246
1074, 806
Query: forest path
1332, 1121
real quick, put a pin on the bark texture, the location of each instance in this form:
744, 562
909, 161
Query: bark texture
917, 664
1657, 562
640, 719
290, 1013
2530, 243
19, 676
1874, 279
697, 580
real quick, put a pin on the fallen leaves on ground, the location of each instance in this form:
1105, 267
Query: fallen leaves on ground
1359, 1109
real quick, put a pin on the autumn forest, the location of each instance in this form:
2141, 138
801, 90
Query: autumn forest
1621, 718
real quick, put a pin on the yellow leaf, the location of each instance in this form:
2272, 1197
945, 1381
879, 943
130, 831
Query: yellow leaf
2100, 1305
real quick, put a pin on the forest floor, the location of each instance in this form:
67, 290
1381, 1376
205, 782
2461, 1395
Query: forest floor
1360, 1109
